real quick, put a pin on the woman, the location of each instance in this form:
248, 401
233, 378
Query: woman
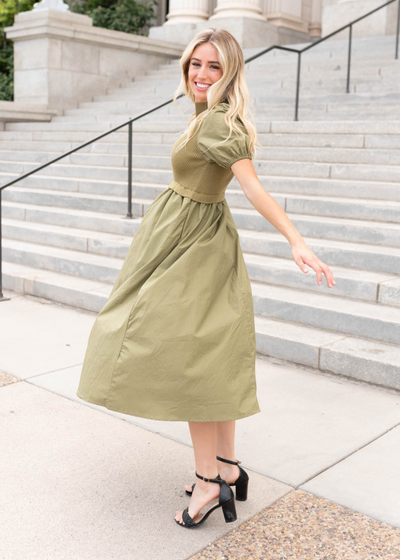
176, 338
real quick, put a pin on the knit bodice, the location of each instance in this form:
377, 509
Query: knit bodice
202, 168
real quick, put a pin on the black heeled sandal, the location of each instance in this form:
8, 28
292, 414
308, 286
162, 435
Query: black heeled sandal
226, 501
241, 483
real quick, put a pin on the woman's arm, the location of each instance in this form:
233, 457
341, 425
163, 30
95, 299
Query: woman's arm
267, 206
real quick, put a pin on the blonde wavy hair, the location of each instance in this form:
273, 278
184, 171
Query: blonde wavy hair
231, 88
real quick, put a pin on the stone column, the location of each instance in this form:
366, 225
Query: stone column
187, 11
341, 12
286, 13
244, 8
315, 26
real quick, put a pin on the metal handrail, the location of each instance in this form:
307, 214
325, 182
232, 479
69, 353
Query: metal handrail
254, 57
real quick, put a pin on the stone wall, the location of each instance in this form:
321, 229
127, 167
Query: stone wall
61, 59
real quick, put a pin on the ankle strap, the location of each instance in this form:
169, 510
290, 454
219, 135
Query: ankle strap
228, 461
217, 479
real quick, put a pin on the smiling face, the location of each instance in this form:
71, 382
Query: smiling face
204, 70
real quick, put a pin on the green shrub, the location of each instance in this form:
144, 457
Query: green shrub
129, 16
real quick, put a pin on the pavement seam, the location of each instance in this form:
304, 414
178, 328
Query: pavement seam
346, 457
52, 371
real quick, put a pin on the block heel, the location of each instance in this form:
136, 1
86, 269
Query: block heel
229, 510
241, 491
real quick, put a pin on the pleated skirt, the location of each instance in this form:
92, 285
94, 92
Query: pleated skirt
176, 338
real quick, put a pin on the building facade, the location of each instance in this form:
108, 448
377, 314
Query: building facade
257, 23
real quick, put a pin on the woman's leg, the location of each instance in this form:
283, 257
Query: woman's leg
225, 448
204, 439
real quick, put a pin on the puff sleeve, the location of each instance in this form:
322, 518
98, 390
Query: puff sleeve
213, 131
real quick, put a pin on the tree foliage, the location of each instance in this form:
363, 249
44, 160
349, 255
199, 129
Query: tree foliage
8, 9
129, 16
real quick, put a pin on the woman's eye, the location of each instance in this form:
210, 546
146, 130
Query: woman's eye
212, 66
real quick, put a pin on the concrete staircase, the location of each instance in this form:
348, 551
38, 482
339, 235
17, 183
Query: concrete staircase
336, 173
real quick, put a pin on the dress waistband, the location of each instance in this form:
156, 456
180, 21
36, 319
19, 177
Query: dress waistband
196, 195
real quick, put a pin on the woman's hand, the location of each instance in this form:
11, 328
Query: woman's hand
303, 256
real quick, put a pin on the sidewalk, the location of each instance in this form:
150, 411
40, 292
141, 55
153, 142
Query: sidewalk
81, 482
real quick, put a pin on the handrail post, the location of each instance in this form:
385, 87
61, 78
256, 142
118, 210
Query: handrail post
349, 59
296, 111
129, 214
397, 33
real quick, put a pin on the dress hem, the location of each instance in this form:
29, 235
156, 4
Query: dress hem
168, 419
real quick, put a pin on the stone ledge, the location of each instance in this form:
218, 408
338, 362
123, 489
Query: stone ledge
53, 23
14, 111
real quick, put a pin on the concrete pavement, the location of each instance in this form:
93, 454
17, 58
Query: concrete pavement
82, 482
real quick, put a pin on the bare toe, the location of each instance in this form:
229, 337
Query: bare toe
178, 517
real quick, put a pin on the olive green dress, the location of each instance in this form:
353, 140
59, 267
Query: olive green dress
176, 338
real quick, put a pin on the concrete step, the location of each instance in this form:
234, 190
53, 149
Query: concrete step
66, 261
332, 252
336, 127
328, 227
345, 315
344, 229
72, 218
76, 239
358, 318
328, 187
357, 284
341, 207
150, 154
267, 108
117, 141
339, 253
358, 358
114, 167
278, 126
76, 200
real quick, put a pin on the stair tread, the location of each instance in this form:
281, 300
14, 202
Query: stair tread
79, 256
329, 243
378, 351
287, 294
235, 210
321, 301
316, 337
254, 234
264, 260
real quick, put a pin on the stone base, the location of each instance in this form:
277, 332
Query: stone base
61, 59
250, 33
382, 22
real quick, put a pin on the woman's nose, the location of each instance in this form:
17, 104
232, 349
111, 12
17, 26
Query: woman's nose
202, 73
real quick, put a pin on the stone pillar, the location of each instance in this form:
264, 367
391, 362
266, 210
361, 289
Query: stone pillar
315, 25
341, 12
245, 8
287, 13
187, 11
